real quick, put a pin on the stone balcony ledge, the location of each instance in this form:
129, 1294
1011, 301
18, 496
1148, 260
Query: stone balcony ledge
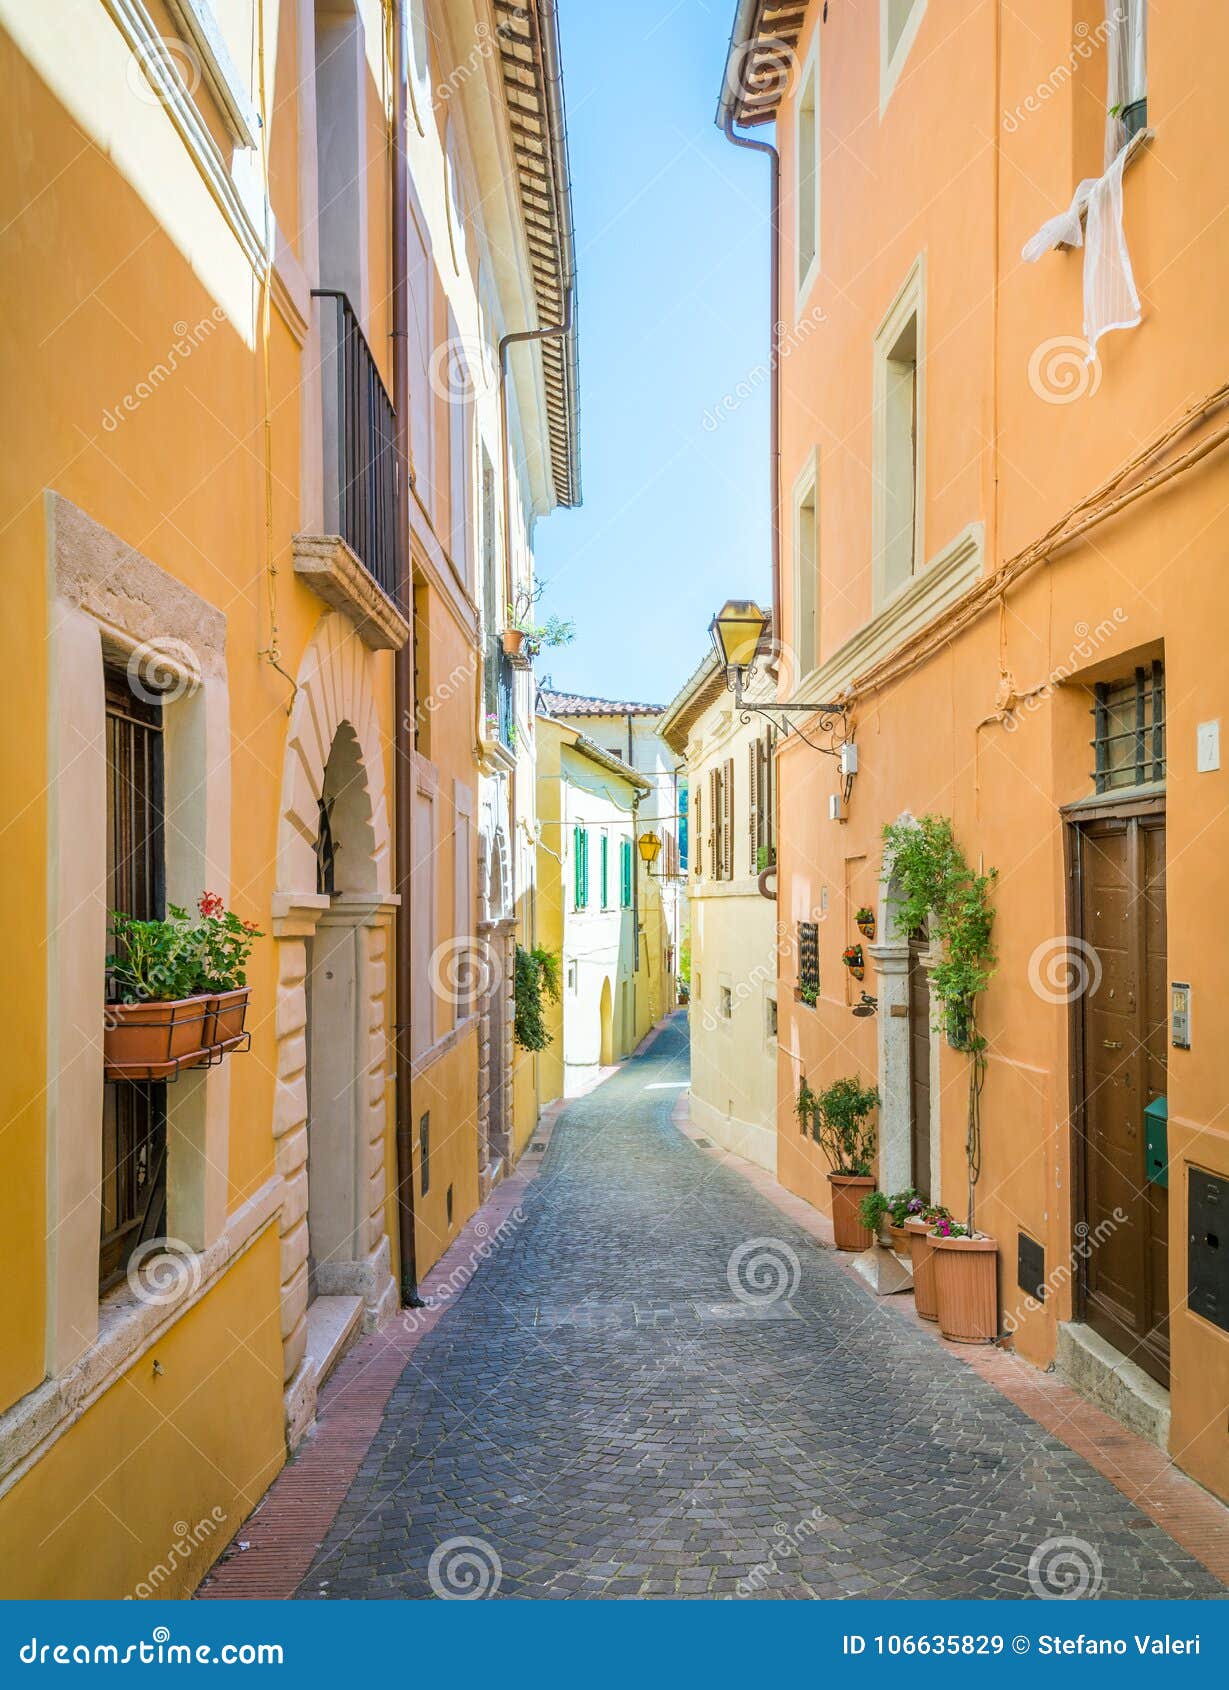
337, 575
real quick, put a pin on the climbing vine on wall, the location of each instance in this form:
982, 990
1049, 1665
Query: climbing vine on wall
537, 978
936, 887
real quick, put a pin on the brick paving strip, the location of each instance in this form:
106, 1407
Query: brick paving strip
603, 1420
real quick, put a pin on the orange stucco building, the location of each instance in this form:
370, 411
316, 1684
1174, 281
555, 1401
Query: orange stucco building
1006, 559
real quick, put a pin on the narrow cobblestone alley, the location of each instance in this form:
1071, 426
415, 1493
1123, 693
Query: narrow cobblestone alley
602, 1415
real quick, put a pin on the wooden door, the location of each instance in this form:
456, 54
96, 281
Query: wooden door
1121, 1067
919, 1066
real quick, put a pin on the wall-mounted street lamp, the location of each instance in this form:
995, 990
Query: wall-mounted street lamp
738, 631
649, 847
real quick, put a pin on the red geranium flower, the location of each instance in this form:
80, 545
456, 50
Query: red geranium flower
210, 904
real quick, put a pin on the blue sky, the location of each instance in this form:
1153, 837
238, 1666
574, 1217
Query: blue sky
672, 239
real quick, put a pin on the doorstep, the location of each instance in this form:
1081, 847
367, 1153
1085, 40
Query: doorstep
1093, 1367
333, 1323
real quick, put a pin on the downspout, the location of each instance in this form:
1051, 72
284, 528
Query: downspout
635, 893
403, 680
774, 361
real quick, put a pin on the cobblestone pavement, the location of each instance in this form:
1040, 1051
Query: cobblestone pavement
602, 1415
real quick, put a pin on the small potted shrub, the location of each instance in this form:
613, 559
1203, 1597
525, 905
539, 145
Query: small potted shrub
900, 1207
851, 956
838, 1119
179, 991
513, 641
864, 921
873, 1213
965, 1281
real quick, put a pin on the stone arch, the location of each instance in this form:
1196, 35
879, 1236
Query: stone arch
334, 691
334, 751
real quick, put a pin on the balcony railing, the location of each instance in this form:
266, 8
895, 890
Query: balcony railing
360, 459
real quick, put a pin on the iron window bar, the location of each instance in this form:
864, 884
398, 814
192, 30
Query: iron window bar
1143, 696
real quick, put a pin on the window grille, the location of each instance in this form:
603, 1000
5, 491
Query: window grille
808, 959
1129, 730
133, 1187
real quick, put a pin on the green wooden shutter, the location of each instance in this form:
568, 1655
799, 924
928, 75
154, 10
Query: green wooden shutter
625, 865
580, 866
605, 872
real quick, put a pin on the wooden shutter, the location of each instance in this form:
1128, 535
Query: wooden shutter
727, 819
695, 837
753, 802
714, 823
770, 791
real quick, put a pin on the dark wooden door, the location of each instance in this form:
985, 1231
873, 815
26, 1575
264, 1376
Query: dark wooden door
1123, 1044
919, 1066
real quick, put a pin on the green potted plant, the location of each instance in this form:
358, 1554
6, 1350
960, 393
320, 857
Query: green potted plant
839, 1124
536, 978
177, 988
873, 1212
808, 993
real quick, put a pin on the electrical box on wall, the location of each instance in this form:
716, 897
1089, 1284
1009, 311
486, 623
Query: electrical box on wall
1207, 1251
1031, 1267
849, 760
1156, 1141
836, 808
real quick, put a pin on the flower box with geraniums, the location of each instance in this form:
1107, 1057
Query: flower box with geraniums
178, 991
837, 1118
851, 956
936, 889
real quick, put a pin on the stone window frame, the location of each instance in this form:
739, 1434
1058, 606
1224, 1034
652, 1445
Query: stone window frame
109, 601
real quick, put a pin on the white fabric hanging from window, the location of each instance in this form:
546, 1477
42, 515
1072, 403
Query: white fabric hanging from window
1094, 217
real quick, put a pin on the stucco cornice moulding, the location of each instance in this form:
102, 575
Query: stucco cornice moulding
336, 574
151, 51
924, 597
127, 1330
218, 68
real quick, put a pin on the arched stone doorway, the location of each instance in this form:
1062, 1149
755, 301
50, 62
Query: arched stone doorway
332, 914
496, 978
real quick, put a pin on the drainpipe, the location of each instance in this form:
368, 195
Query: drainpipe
635, 893
403, 680
774, 291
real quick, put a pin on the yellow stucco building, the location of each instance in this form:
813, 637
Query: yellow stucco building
269, 442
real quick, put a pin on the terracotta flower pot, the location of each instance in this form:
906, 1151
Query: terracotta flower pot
900, 1239
514, 639
848, 1190
229, 1011
867, 926
921, 1253
151, 1041
966, 1288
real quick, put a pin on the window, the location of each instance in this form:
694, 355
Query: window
134, 1114
424, 1153
806, 575
1129, 730
761, 820
572, 985
899, 21
459, 447
721, 819
770, 1018
898, 443
682, 826
625, 873
806, 204
1127, 82
605, 856
422, 667
580, 867
725, 1002
808, 961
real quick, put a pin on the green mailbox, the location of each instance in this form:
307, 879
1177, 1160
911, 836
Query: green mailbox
1156, 1141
